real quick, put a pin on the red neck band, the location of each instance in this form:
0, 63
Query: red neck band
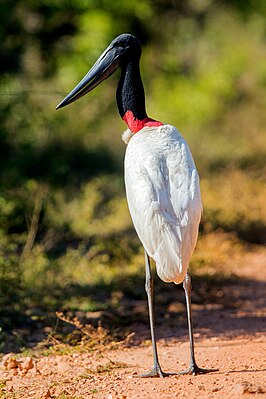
136, 124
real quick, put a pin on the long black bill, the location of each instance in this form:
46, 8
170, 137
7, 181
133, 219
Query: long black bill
104, 67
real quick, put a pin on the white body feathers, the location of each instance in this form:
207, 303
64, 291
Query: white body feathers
163, 194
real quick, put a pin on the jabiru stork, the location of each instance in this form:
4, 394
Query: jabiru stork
162, 183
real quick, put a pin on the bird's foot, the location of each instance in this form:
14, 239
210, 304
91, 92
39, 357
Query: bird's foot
156, 371
194, 370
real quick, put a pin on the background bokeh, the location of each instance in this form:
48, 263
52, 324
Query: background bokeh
66, 238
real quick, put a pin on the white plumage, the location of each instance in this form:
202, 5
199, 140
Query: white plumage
163, 194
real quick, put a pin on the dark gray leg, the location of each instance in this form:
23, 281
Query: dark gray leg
193, 368
156, 371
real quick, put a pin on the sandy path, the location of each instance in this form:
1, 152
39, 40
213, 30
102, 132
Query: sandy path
231, 339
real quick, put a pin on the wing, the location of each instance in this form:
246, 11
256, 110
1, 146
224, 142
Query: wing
163, 195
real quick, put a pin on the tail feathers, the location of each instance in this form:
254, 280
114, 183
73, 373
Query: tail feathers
168, 256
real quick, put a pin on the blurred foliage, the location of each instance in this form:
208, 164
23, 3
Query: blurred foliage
66, 238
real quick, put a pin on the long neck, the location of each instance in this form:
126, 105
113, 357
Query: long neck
130, 98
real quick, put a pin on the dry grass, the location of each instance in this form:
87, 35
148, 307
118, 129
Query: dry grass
235, 200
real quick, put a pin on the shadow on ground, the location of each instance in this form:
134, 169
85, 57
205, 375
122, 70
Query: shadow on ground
222, 307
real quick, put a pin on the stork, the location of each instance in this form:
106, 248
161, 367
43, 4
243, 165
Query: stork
162, 183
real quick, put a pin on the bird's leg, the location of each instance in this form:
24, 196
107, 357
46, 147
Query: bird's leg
193, 368
156, 370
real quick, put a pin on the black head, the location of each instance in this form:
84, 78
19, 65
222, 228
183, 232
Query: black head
123, 48
128, 42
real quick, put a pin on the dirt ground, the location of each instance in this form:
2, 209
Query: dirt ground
231, 339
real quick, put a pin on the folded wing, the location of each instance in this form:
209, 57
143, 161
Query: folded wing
164, 200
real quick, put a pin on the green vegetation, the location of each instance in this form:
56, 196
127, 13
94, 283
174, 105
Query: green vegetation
66, 238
